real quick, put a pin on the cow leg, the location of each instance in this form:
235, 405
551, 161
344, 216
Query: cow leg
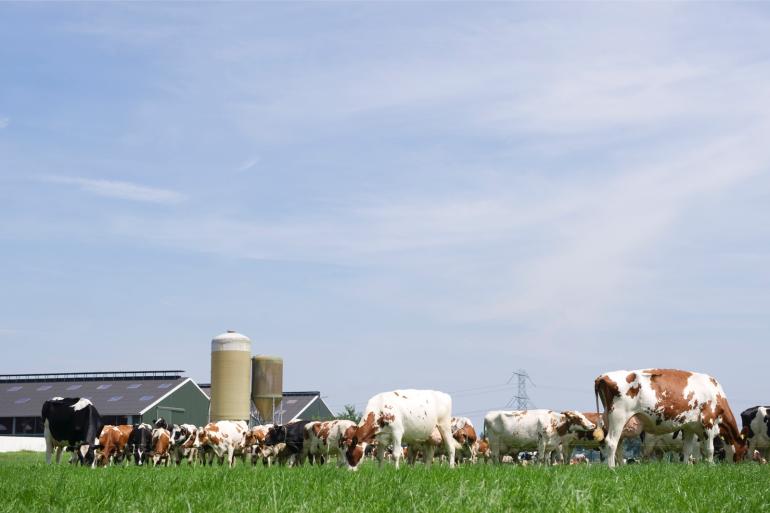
427, 455
397, 451
494, 451
707, 444
541, 455
446, 436
617, 420
619, 452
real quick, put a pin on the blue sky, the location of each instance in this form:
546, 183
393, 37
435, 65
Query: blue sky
389, 194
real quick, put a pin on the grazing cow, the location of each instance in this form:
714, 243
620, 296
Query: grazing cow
293, 435
140, 443
161, 444
482, 450
401, 416
182, 443
465, 435
255, 445
112, 444
595, 440
70, 422
326, 438
225, 437
756, 429
667, 400
431, 448
531, 429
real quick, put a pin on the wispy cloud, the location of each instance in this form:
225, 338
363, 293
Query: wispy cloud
4, 122
248, 164
118, 189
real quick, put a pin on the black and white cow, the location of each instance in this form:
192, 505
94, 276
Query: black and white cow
140, 443
160, 422
291, 434
71, 422
756, 429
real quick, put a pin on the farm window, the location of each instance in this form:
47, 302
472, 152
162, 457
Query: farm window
29, 426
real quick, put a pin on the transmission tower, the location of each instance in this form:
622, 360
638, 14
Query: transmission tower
521, 400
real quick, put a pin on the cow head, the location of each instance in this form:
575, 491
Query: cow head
276, 435
574, 421
356, 439
465, 436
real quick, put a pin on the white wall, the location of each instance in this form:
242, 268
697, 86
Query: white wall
22, 443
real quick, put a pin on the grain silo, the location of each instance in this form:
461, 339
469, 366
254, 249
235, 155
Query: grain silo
266, 385
230, 377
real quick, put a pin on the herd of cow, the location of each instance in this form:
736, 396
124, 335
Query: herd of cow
670, 410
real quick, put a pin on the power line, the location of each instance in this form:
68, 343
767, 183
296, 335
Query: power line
521, 399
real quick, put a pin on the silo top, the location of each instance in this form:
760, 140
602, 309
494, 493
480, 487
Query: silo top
230, 341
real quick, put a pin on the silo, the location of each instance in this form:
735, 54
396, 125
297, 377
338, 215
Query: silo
230, 377
266, 384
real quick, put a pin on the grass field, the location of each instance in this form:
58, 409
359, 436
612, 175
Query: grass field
27, 485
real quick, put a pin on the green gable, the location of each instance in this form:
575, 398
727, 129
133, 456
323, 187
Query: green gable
186, 404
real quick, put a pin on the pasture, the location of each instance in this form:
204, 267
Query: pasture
28, 485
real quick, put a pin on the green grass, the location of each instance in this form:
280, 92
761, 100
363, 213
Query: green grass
28, 485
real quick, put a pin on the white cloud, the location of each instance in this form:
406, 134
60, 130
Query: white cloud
4, 122
248, 164
119, 189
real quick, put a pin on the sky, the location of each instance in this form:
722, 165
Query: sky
389, 195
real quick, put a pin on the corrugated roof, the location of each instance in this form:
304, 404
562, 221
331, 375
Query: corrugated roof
120, 397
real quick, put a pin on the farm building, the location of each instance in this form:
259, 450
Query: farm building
293, 406
121, 397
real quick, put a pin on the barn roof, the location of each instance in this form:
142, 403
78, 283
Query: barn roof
113, 393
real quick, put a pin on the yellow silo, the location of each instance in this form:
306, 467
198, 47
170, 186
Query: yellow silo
230, 377
266, 384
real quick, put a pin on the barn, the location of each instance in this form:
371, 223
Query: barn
122, 397
305, 405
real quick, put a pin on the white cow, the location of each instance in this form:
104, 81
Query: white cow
400, 417
667, 400
323, 439
224, 437
510, 432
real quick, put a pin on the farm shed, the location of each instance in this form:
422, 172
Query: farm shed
125, 397
305, 405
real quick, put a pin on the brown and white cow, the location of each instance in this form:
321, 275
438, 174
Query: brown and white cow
465, 435
224, 438
667, 400
400, 417
326, 438
483, 451
112, 444
161, 445
255, 443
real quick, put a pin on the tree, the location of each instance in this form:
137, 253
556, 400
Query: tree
350, 413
